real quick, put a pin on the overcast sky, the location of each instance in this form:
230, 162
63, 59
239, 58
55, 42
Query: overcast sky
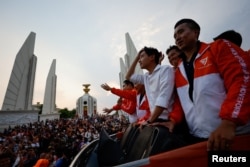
87, 37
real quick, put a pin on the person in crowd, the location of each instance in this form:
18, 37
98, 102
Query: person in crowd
30, 158
142, 106
88, 135
63, 160
5, 155
173, 53
42, 161
158, 82
127, 100
96, 135
213, 85
232, 36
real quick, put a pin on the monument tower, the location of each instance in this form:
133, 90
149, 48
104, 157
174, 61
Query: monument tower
17, 104
19, 93
128, 59
49, 102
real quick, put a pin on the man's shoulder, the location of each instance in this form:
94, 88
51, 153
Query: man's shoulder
223, 45
165, 68
136, 75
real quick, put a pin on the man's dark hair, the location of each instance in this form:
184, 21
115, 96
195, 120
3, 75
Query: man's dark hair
152, 51
231, 36
172, 47
128, 82
191, 23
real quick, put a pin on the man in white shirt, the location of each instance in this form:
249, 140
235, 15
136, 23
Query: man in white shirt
158, 81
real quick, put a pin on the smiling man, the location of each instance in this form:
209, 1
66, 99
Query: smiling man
213, 84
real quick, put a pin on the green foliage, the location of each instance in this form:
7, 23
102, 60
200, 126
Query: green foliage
65, 113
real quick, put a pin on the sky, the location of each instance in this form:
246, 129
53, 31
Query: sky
87, 37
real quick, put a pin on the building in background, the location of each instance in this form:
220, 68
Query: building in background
86, 105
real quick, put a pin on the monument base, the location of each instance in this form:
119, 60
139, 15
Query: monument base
13, 118
52, 116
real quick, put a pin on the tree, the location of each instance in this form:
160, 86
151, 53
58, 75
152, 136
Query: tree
65, 113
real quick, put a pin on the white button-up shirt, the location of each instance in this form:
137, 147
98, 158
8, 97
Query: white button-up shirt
159, 86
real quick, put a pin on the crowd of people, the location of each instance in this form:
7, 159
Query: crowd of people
53, 143
207, 87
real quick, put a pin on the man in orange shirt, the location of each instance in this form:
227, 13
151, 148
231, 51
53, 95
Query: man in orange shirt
213, 84
42, 161
132, 101
233, 37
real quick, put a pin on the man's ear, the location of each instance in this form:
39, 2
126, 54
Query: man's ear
197, 34
152, 58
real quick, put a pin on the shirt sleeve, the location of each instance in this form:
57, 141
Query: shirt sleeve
234, 67
116, 107
127, 94
137, 78
166, 87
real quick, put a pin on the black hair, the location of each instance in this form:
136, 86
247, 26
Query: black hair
172, 47
128, 82
152, 51
191, 23
232, 36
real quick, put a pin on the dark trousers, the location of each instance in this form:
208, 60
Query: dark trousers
181, 135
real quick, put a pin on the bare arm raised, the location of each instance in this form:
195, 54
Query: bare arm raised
131, 69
